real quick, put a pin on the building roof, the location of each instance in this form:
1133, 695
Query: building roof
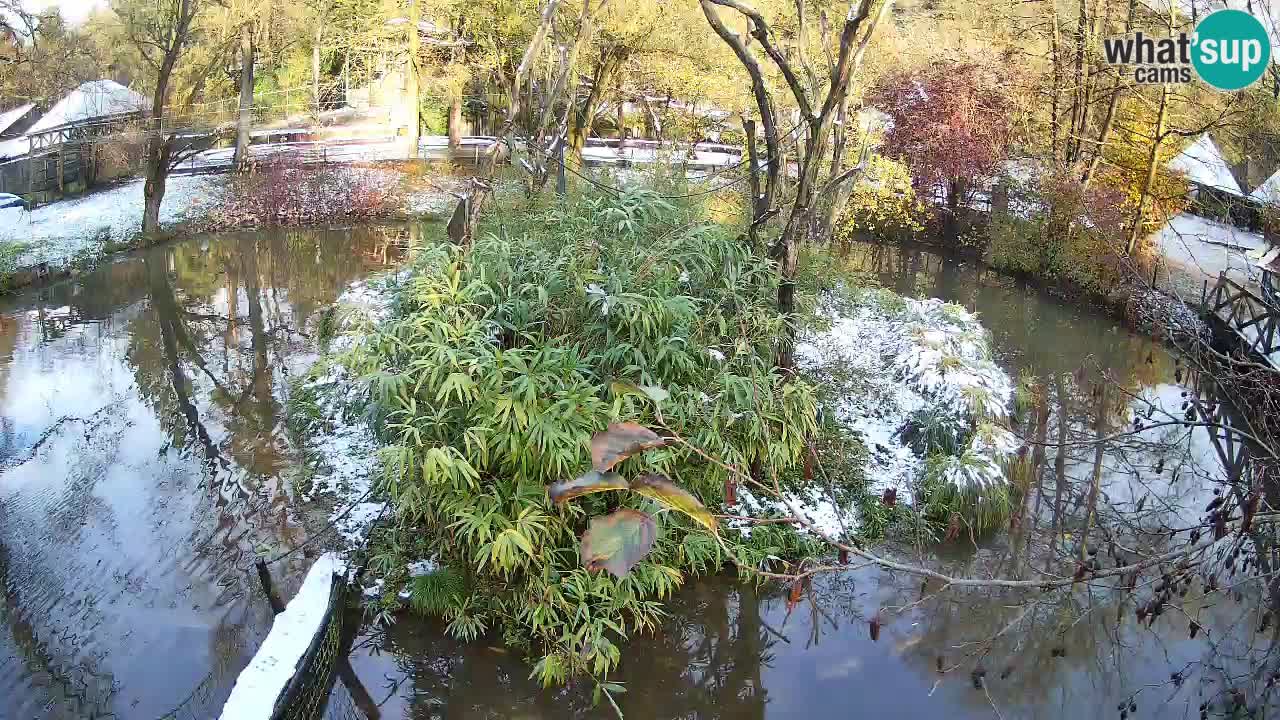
100, 98
9, 117
17, 147
1269, 260
1268, 193
1202, 163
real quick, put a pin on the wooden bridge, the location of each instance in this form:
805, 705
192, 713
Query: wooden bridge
1254, 320
1242, 322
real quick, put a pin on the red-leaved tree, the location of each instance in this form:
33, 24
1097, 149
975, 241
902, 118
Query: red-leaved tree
951, 126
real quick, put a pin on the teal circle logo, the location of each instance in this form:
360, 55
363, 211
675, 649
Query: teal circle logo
1232, 49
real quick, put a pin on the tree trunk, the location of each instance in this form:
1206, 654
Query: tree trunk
1057, 86
622, 124
411, 80
580, 120
153, 189
1079, 109
1059, 467
652, 123
159, 146
1099, 431
245, 118
315, 66
1135, 230
455, 123
951, 225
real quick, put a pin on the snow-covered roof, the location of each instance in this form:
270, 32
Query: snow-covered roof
1202, 163
99, 98
9, 117
16, 147
1268, 193
1269, 260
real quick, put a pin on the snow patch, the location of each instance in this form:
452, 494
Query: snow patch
344, 443
59, 232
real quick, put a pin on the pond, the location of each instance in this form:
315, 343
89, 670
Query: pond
144, 464
734, 651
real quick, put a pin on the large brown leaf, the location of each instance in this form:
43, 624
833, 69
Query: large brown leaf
675, 497
593, 482
618, 541
619, 442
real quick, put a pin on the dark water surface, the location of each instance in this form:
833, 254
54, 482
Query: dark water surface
144, 464
730, 651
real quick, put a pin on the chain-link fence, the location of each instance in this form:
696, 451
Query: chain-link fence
305, 696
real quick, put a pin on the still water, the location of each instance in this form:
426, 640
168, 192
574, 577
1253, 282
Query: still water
735, 652
144, 464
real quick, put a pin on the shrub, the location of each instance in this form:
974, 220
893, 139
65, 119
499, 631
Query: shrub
500, 363
882, 203
286, 191
1061, 233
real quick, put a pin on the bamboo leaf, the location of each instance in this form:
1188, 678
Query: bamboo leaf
593, 482
655, 393
618, 541
619, 442
675, 497
619, 388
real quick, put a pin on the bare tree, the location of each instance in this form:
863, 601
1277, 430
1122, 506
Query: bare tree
163, 31
817, 116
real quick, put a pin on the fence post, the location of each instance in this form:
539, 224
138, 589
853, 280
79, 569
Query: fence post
561, 181
264, 576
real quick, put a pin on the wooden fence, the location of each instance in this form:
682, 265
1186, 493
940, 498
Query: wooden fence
1253, 319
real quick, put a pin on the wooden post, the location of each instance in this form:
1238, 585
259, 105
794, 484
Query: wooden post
264, 577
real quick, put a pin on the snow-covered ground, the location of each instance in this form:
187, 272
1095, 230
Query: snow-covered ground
346, 447
59, 232
901, 359
1197, 249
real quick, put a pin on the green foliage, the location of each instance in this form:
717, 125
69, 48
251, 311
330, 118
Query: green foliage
882, 203
500, 364
1066, 235
435, 593
1024, 395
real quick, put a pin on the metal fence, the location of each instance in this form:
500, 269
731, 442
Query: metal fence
305, 696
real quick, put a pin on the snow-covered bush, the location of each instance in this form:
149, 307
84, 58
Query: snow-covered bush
930, 403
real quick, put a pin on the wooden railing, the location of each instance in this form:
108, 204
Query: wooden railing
1255, 320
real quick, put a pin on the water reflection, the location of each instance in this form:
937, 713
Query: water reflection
144, 463
729, 651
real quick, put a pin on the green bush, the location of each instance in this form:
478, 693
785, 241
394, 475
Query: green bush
882, 203
501, 362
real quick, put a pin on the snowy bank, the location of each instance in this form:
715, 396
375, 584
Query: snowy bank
918, 383
334, 426
60, 232
261, 684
